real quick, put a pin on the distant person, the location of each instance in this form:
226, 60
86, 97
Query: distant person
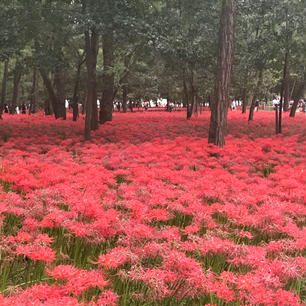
304, 106
233, 105
23, 109
275, 102
171, 106
146, 106
6, 108
256, 105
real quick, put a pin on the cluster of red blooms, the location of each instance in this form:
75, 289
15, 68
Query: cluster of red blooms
181, 217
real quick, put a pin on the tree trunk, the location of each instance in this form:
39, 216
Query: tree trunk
75, 97
32, 109
60, 93
3, 91
286, 92
94, 118
124, 98
51, 92
186, 99
106, 110
282, 94
293, 108
299, 93
245, 101
191, 106
195, 106
17, 77
47, 108
219, 107
91, 47
286, 83
276, 120
255, 96
252, 108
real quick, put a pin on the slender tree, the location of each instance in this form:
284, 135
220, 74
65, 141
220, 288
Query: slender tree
91, 49
218, 119
16, 81
106, 110
3, 89
33, 92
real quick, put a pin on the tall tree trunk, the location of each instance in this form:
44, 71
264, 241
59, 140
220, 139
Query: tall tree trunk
17, 77
219, 107
75, 97
276, 120
32, 109
292, 89
124, 98
294, 107
47, 108
106, 110
299, 93
191, 104
51, 92
245, 100
255, 95
91, 47
94, 117
3, 90
60, 93
286, 90
282, 94
195, 105
186, 99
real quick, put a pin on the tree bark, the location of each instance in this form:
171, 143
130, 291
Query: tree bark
51, 92
47, 108
186, 99
91, 47
75, 97
3, 90
286, 90
195, 105
60, 93
219, 107
299, 93
124, 98
276, 120
32, 109
255, 95
245, 101
282, 94
17, 77
106, 110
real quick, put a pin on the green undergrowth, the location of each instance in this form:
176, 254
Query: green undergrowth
179, 219
297, 285
78, 251
20, 271
122, 179
10, 187
11, 224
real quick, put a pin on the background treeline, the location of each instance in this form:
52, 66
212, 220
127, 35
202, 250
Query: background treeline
52, 50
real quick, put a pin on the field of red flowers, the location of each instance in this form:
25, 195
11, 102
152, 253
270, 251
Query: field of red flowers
149, 214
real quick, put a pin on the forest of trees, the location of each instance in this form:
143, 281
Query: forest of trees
132, 50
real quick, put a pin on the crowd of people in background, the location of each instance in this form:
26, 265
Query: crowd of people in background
168, 106
18, 110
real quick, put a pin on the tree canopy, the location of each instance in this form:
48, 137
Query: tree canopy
144, 50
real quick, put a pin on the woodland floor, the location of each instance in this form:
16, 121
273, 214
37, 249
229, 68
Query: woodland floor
148, 213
